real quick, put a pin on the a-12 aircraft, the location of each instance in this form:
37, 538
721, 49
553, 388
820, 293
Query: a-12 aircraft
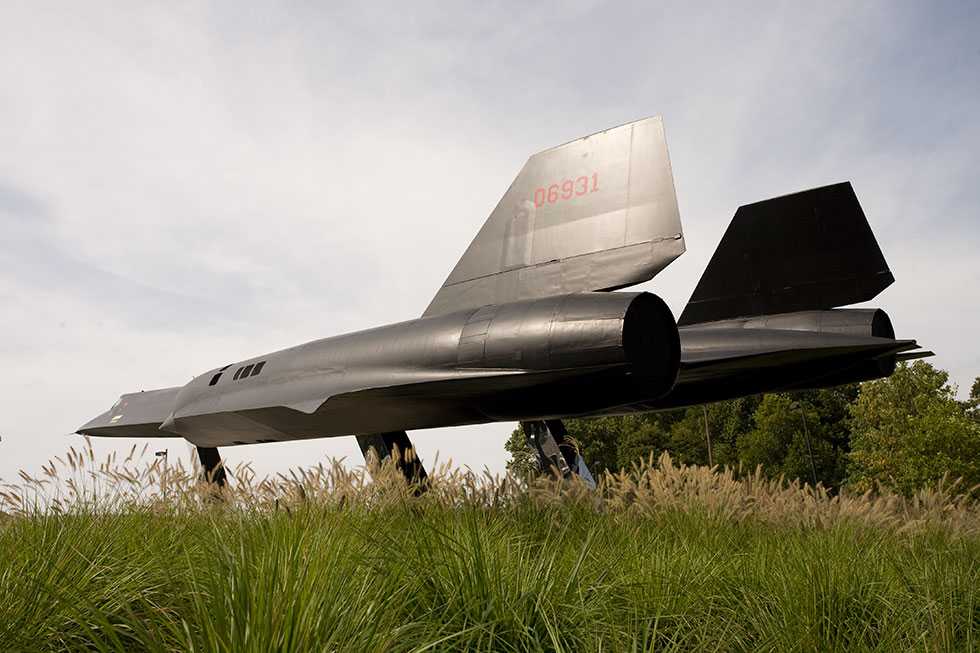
526, 327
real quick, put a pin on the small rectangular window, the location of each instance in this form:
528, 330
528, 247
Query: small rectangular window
258, 368
238, 373
214, 379
247, 371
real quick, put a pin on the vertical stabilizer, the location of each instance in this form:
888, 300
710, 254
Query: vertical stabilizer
811, 250
598, 213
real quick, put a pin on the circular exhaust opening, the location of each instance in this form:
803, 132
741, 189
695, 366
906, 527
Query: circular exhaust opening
651, 341
881, 325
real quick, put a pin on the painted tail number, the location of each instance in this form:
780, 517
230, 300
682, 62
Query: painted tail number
566, 190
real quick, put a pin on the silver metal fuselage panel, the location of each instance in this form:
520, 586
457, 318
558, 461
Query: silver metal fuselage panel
597, 213
522, 360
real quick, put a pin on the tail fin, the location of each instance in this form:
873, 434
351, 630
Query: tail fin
809, 250
598, 213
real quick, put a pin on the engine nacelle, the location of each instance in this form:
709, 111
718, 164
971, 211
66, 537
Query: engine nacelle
575, 331
851, 321
865, 322
872, 322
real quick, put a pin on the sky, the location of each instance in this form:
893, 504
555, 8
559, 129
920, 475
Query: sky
184, 184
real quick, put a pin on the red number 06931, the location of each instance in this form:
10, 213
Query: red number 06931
566, 190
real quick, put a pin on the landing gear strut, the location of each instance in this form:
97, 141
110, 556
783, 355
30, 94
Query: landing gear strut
213, 468
386, 445
555, 452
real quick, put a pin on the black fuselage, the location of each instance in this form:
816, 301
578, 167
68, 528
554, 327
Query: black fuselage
572, 355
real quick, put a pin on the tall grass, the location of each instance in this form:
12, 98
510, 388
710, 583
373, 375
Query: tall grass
118, 555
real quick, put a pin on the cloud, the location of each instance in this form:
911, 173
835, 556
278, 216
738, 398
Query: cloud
186, 185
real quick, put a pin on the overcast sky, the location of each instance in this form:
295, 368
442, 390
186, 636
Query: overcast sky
187, 184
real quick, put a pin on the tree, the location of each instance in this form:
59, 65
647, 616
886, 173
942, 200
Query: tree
972, 405
792, 438
598, 440
905, 431
523, 460
606, 443
908, 431
641, 437
614, 443
726, 421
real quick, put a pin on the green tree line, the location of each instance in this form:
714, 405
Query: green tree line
904, 432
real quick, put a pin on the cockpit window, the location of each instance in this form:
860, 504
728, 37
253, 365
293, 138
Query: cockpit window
241, 373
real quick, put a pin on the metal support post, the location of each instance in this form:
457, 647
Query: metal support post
555, 452
387, 445
211, 465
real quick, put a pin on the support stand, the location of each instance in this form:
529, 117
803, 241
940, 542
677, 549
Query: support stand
555, 453
213, 469
386, 445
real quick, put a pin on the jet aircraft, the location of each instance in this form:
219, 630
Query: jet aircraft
527, 328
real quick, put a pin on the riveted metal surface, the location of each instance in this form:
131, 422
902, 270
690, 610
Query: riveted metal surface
808, 250
851, 321
516, 332
597, 213
473, 338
